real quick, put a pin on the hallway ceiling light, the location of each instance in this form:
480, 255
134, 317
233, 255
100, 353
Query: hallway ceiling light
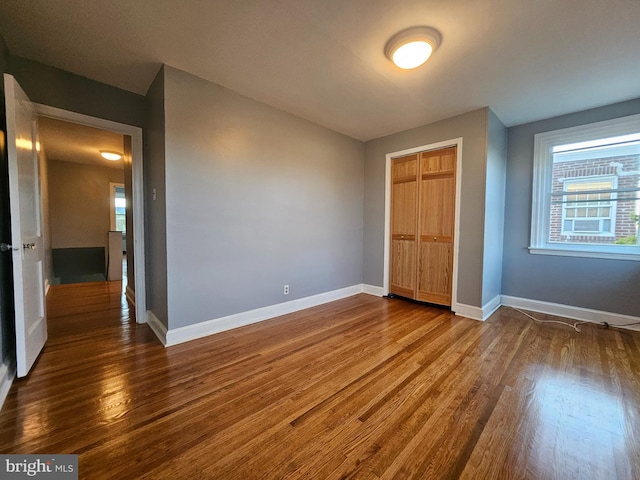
412, 47
113, 156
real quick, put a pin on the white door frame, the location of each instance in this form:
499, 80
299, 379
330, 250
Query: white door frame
456, 142
137, 186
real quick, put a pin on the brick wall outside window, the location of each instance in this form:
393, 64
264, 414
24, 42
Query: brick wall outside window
625, 225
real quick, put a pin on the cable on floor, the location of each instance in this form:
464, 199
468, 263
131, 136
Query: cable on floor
572, 325
618, 325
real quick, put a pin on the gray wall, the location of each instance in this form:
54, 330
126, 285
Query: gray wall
4, 60
472, 127
256, 199
79, 203
59, 88
155, 215
600, 284
7, 332
496, 172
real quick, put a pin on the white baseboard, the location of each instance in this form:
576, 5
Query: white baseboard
7, 374
179, 335
372, 290
157, 327
474, 313
191, 332
491, 306
568, 311
131, 295
477, 313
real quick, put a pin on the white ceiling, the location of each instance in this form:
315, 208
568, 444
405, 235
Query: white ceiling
70, 142
323, 60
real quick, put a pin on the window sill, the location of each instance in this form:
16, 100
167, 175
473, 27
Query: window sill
566, 252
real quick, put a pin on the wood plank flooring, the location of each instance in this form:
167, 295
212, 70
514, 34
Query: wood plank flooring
364, 388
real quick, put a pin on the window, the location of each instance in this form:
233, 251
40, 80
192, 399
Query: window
586, 191
588, 210
118, 207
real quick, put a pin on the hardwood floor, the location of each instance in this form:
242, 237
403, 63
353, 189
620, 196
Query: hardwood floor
360, 388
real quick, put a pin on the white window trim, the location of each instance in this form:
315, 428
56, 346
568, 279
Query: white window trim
542, 176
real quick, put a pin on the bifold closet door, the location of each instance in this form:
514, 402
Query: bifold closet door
436, 213
404, 216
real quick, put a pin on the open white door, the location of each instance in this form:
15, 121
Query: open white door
26, 226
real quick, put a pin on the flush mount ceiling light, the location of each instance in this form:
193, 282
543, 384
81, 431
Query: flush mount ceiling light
113, 156
412, 47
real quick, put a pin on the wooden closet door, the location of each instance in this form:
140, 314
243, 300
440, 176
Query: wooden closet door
404, 214
437, 192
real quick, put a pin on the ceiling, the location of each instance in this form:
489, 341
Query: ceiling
323, 60
70, 142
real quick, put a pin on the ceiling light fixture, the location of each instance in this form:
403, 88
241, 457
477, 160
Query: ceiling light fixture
412, 47
109, 155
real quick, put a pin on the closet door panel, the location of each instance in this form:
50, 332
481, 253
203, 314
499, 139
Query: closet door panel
405, 208
437, 197
435, 275
404, 211
403, 275
436, 213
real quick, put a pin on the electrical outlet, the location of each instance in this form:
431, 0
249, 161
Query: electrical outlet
286, 289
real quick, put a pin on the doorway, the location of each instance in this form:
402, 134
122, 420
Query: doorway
457, 143
77, 200
136, 288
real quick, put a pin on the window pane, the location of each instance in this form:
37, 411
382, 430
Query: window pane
593, 173
121, 223
601, 142
120, 204
586, 226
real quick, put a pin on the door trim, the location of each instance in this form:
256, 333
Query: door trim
137, 186
456, 142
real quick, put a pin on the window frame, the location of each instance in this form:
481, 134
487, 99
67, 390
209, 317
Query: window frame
112, 205
542, 183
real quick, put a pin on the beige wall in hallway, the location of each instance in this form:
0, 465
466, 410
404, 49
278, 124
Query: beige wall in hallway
79, 203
